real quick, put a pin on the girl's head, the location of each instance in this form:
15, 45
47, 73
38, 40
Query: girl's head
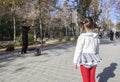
88, 23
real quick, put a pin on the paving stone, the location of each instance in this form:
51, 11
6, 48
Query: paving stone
55, 65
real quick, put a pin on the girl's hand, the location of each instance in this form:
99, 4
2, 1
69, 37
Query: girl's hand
75, 65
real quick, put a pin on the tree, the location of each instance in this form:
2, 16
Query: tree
118, 26
42, 12
88, 8
94, 10
66, 16
118, 11
83, 6
12, 6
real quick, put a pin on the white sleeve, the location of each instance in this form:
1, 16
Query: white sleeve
78, 49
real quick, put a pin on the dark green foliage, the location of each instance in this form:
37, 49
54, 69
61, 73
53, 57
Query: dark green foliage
83, 6
6, 30
118, 25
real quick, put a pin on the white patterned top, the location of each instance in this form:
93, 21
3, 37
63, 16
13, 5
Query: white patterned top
87, 50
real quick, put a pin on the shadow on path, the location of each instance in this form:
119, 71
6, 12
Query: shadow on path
105, 41
107, 73
7, 58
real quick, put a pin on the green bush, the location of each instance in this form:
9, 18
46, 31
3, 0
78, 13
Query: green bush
4, 44
67, 38
60, 36
30, 38
19, 39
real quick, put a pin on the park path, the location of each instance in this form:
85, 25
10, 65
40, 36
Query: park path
55, 65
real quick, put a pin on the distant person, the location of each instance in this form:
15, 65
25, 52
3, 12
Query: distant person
100, 35
39, 37
111, 35
25, 30
87, 51
116, 35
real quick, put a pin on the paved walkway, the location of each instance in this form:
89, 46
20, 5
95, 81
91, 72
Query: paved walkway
55, 65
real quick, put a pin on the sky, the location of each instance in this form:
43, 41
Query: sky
60, 2
112, 11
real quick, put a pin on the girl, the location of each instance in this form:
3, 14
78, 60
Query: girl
87, 51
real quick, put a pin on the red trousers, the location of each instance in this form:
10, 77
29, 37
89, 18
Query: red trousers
88, 74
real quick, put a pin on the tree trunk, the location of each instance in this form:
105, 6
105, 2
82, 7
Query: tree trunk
41, 35
66, 30
14, 26
35, 39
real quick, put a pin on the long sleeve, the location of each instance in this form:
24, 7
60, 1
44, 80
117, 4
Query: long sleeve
78, 49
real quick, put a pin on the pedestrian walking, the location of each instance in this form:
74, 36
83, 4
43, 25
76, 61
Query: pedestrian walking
25, 30
111, 35
86, 54
116, 35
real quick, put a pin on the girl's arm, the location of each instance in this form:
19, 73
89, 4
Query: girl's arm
79, 48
